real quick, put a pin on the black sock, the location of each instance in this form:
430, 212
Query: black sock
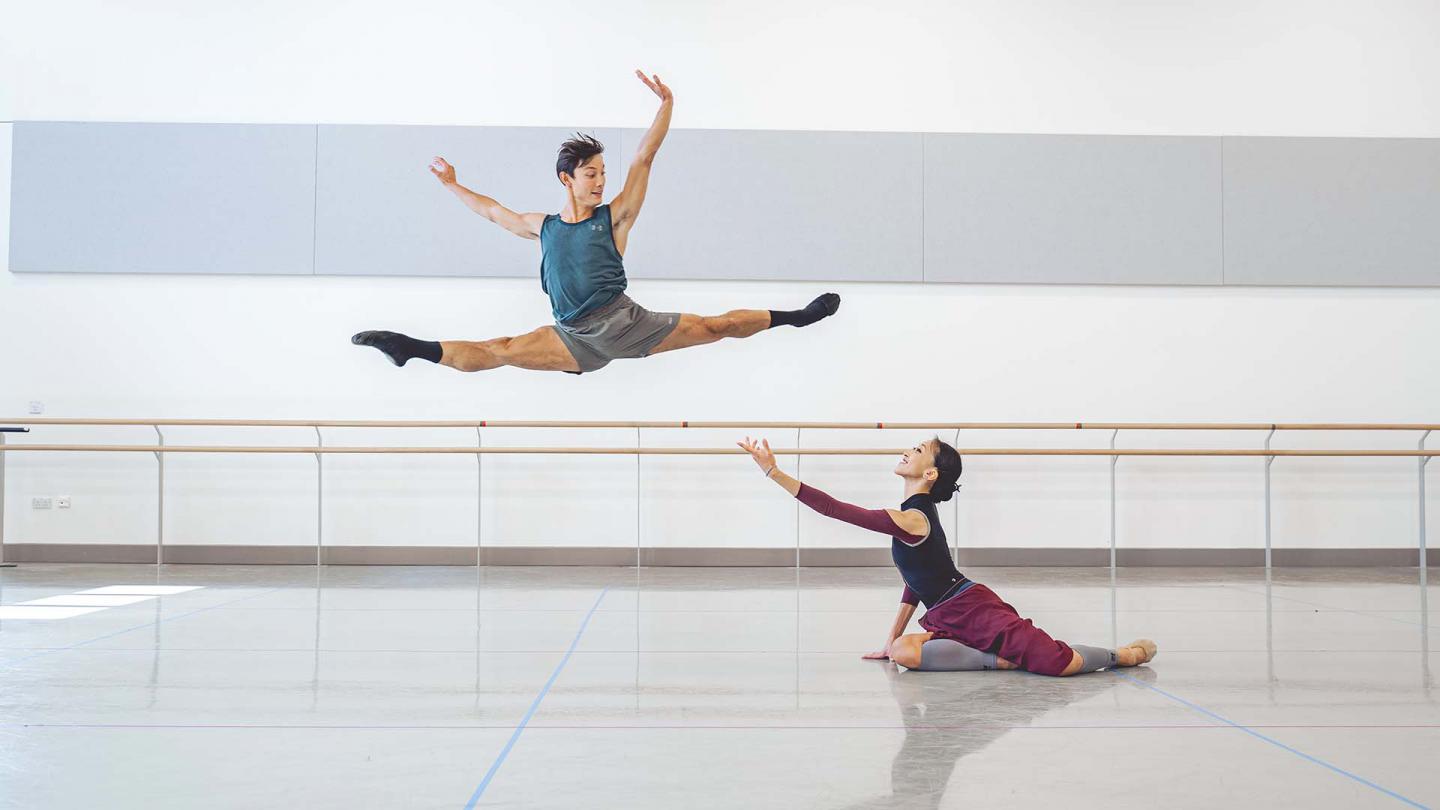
400, 348
822, 307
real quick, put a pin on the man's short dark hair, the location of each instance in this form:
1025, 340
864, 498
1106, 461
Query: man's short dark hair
574, 153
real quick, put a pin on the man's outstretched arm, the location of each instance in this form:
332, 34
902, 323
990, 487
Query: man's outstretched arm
523, 225
626, 207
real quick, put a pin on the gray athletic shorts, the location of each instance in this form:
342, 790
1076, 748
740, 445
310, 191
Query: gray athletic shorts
621, 329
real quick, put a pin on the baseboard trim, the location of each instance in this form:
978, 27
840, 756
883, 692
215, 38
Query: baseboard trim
539, 555
1062, 557
720, 557
608, 556
1196, 557
1352, 557
398, 555
239, 555
78, 553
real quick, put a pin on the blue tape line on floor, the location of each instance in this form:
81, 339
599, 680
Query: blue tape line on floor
524, 721
1252, 732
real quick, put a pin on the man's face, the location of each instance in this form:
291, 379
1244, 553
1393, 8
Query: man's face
588, 184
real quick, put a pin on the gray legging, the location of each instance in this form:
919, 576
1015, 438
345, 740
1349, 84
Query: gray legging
948, 655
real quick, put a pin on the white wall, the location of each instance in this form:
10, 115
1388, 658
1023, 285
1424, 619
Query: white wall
272, 347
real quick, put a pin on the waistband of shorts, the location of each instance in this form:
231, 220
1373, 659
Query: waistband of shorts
600, 312
955, 590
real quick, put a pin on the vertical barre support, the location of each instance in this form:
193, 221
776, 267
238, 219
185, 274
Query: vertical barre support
1268, 461
2, 500
1113, 460
319, 498
1424, 555
160, 500
1114, 593
1424, 562
480, 499
637, 513
1269, 573
797, 569
797, 505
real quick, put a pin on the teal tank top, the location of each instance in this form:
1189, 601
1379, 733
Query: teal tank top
580, 267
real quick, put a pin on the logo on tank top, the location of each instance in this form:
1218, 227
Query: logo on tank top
596, 226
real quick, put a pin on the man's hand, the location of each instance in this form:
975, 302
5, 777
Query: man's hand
658, 87
760, 451
444, 171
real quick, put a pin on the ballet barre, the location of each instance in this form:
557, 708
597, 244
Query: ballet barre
479, 450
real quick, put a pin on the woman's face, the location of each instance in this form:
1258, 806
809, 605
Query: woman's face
917, 460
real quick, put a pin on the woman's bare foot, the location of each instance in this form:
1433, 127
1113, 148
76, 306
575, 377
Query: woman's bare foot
1140, 651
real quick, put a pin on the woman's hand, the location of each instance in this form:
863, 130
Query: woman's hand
765, 459
760, 452
882, 655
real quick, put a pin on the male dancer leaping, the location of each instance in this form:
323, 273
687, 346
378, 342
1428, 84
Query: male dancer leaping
582, 271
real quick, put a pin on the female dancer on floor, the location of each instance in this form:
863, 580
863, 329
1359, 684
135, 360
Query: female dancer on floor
967, 626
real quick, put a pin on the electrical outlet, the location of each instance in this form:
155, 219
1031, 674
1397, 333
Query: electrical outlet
62, 501
36, 407
39, 503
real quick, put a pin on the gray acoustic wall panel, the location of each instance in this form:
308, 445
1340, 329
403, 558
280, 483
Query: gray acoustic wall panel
746, 204
162, 198
381, 212
1332, 211
1072, 209
726, 204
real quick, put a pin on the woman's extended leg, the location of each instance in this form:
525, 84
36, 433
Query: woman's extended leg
978, 618
924, 652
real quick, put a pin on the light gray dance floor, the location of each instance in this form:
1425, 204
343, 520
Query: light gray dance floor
349, 687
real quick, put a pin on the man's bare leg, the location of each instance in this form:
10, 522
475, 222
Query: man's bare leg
698, 330
540, 350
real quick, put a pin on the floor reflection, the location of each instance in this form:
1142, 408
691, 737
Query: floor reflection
950, 715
